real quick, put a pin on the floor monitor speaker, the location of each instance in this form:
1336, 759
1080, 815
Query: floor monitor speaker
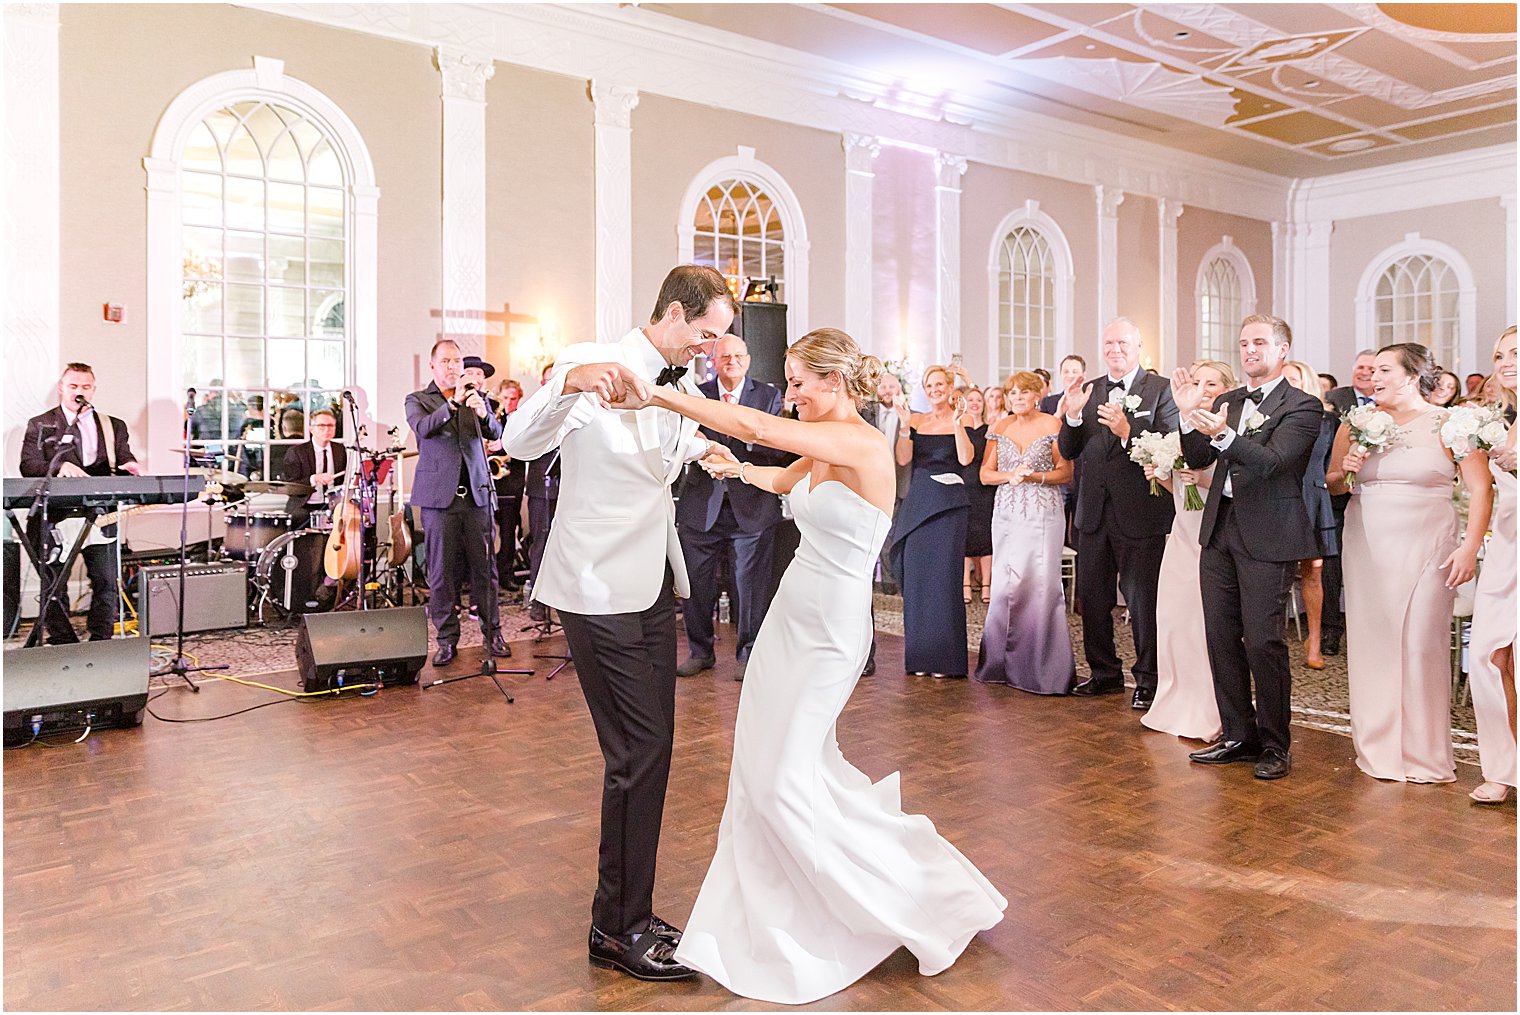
361, 647
66, 687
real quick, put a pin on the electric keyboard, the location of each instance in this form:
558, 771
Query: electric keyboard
101, 491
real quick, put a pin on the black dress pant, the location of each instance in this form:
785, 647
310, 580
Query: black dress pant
100, 568
627, 668
1244, 602
1108, 560
1332, 620
508, 516
460, 532
753, 568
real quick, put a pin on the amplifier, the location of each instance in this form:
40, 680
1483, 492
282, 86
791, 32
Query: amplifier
216, 597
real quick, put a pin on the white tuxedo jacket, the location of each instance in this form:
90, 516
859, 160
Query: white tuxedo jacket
614, 529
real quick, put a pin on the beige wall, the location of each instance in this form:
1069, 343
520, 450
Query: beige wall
673, 140
988, 195
903, 309
1139, 286
540, 210
1198, 231
1474, 228
121, 66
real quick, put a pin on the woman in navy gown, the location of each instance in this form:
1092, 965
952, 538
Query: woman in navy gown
930, 530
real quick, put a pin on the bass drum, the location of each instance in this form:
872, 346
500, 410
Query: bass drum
290, 568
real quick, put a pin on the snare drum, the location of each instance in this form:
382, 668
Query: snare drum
250, 532
290, 569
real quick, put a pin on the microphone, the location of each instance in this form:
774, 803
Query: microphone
82, 402
348, 396
190, 400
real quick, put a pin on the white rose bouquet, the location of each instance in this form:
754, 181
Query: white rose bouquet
1162, 451
1470, 428
1371, 428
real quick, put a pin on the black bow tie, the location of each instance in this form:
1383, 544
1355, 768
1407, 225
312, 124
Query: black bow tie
670, 375
1257, 395
1110, 384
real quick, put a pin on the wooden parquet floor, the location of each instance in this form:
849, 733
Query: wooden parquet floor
436, 850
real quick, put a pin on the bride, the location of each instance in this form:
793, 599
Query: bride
818, 875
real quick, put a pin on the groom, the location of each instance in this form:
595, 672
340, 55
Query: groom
612, 567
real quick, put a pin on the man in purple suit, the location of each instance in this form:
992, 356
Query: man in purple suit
715, 514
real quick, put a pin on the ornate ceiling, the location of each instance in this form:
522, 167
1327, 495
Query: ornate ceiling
1295, 89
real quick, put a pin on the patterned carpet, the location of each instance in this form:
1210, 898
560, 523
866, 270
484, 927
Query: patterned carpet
1319, 696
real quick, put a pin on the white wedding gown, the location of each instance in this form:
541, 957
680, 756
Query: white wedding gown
819, 875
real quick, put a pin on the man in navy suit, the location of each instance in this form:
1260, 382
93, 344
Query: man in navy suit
715, 514
453, 488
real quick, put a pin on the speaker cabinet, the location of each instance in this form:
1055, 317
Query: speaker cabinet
216, 597
65, 687
361, 647
763, 328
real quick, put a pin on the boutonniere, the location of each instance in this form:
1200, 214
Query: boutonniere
1131, 403
1254, 423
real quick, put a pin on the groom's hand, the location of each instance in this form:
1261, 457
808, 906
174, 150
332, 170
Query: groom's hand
611, 383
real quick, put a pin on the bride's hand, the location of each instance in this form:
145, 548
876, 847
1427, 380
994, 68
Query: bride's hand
719, 462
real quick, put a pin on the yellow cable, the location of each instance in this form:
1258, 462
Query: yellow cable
294, 694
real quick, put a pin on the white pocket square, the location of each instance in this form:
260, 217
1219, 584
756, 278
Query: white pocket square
1137, 415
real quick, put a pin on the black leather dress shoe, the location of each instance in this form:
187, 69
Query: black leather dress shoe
1330, 644
1091, 688
1274, 763
870, 667
740, 667
651, 957
445, 654
662, 929
499, 646
1142, 699
1227, 752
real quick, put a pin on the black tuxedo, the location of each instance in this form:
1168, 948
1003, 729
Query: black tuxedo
716, 514
1121, 528
299, 465
43, 440
1251, 542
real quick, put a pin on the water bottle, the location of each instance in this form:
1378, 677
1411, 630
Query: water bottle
723, 607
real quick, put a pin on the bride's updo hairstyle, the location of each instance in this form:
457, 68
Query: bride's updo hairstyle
1417, 362
825, 351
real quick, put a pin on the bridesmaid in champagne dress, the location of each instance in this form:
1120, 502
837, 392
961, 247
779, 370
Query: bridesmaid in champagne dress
1185, 705
1403, 560
1491, 670
1026, 642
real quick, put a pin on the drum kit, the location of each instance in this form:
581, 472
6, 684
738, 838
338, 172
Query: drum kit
289, 566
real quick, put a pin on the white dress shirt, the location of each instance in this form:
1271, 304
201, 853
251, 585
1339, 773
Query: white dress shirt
1222, 439
89, 434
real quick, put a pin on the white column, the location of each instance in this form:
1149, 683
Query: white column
948, 170
1308, 290
614, 209
1508, 201
1109, 199
31, 216
1170, 357
464, 75
860, 153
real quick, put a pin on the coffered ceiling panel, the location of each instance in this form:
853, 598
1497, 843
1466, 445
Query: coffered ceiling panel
1297, 89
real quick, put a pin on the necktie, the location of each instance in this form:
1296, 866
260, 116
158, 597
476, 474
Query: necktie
1256, 395
728, 396
1362, 399
670, 375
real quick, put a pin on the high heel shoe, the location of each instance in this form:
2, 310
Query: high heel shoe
986, 596
1312, 657
966, 593
1490, 793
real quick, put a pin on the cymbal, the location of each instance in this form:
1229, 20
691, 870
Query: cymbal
224, 476
276, 486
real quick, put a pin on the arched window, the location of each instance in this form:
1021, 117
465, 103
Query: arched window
1420, 291
264, 213
261, 266
740, 217
1029, 283
1226, 293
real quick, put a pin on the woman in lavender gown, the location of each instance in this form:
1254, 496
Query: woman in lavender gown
1025, 643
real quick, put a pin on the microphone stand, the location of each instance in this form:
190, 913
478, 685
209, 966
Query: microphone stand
178, 667
47, 545
488, 666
